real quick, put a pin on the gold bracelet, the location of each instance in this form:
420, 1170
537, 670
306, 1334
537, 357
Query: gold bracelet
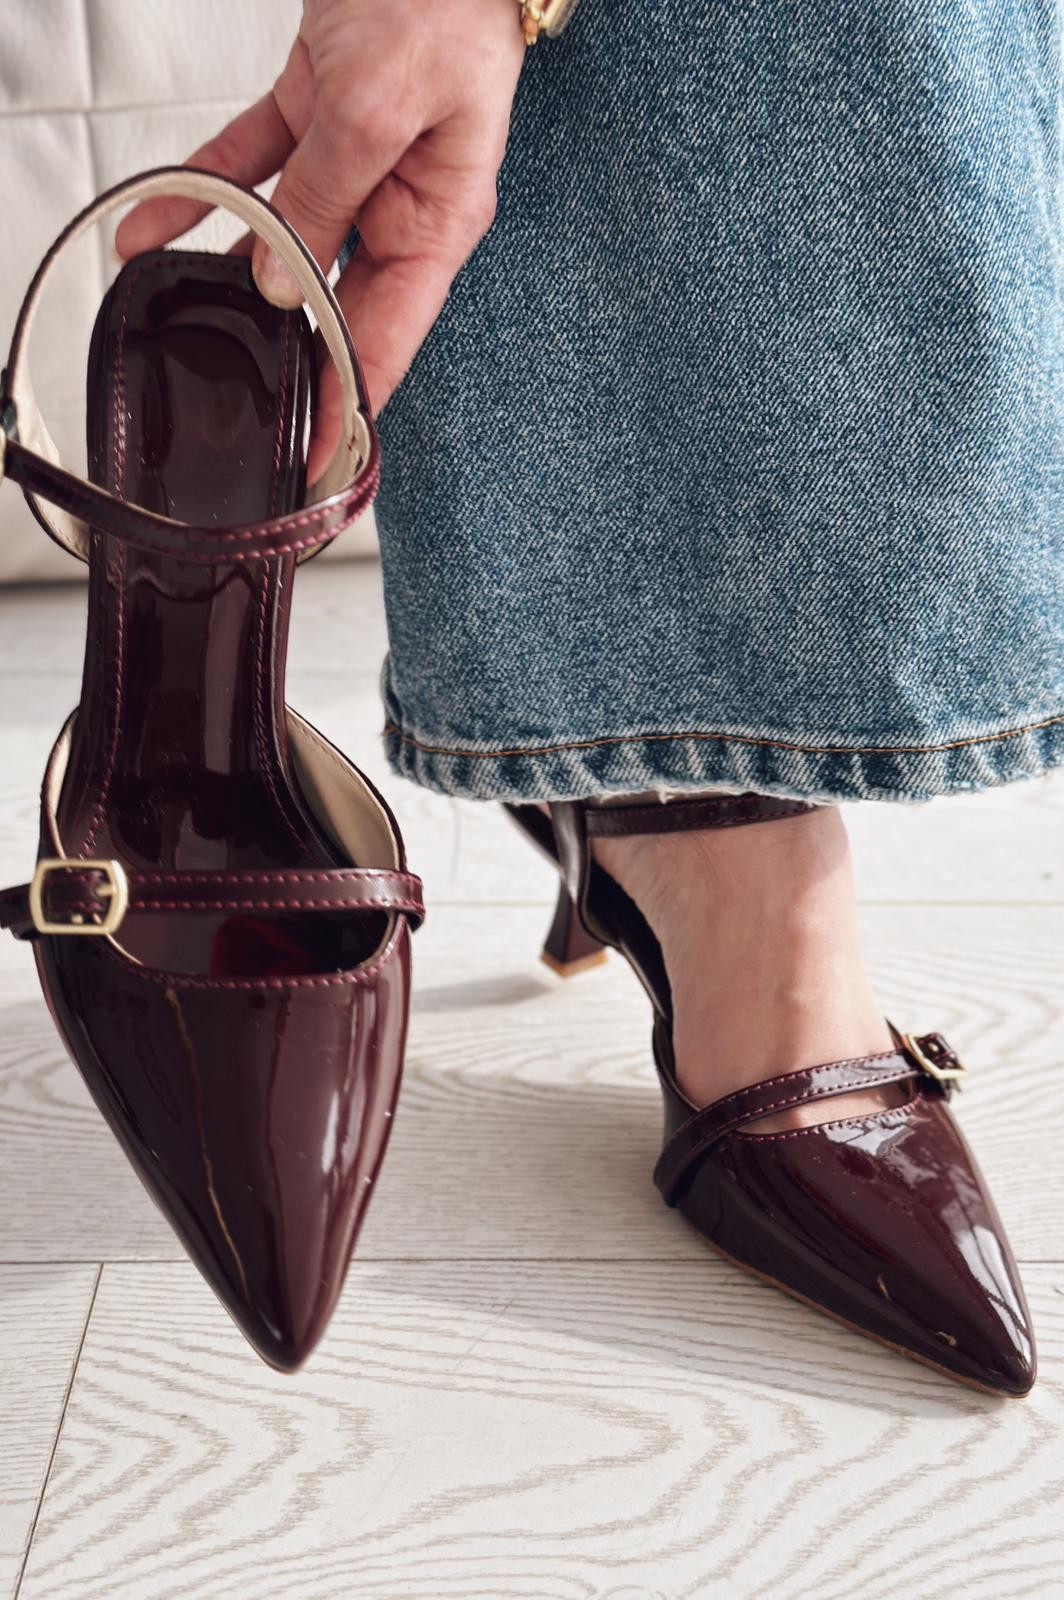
544, 16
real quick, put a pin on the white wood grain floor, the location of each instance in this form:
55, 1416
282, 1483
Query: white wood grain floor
539, 1384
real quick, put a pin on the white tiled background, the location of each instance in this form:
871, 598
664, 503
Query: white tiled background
90, 92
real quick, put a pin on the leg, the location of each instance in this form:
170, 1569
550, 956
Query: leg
759, 931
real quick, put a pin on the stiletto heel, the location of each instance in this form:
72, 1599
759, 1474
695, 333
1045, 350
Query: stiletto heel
881, 1220
221, 911
569, 948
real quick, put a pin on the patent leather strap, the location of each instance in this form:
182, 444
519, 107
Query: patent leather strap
689, 813
294, 534
72, 896
29, 457
927, 1057
576, 822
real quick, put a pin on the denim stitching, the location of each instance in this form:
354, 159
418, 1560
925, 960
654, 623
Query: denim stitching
390, 728
814, 485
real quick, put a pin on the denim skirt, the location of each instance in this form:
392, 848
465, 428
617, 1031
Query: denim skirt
735, 458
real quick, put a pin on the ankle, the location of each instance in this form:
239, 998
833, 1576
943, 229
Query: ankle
780, 875
759, 933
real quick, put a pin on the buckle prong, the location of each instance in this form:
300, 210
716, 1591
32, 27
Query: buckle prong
931, 1067
115, 891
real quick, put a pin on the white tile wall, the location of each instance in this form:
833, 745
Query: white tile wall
117, 139
187, 50
44, 61
90, 92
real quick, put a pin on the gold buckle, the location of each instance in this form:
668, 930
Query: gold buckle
932, 1068
115, 891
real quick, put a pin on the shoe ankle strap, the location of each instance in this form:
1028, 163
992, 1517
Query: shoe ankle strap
71, 895
83, 505
68, 507
688, 813
576, 822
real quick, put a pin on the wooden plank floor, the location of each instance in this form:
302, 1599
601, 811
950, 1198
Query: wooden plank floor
539, 1383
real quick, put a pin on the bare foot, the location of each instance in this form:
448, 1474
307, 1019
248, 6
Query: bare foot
758, 925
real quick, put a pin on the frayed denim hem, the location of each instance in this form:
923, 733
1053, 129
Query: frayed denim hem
691, 761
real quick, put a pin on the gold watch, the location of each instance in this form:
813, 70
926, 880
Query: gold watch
545, 16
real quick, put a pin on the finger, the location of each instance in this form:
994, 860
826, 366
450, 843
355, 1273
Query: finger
323, 184
327, 423
389, 307
249, 149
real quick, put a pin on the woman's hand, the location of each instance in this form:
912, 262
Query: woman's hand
393, 116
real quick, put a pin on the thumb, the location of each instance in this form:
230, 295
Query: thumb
324, 182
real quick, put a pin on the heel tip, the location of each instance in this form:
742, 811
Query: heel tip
570, 969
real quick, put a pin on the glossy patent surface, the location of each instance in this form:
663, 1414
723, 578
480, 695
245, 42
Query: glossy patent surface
257, 1117
180, 755
248, 1062
883, 1221
886, 1222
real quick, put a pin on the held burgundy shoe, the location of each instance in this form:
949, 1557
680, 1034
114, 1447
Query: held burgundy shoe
882, 1220
221, 911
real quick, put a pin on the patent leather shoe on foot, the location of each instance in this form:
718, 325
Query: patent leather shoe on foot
882, 1220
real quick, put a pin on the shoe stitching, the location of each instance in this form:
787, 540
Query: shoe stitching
821, 1066
261, 695
366, 977
687, 1145
119, 459
380, 902
286, 875
806, 1096
884, 1115
119, 472
345, 512
68, 499
116, 713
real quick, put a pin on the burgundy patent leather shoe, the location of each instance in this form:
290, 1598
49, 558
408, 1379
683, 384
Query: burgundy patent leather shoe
221, 911
881, 1220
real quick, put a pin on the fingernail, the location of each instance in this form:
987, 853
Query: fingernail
275, 281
